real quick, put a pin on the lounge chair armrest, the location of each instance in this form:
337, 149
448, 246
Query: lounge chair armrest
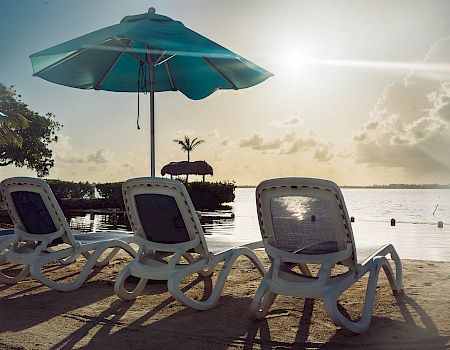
307, 258
166, 247
48, 238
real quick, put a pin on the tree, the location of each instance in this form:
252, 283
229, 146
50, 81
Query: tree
31, 148
187, 145
10, 124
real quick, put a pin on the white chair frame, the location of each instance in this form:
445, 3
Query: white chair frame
279, 281
147, 266
35, 257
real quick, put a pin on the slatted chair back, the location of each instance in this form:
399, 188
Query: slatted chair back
305, 216
161, 211
34, 209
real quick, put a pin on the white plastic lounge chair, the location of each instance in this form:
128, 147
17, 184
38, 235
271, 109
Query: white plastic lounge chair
305, 221
5, 242
38, 223
165, 222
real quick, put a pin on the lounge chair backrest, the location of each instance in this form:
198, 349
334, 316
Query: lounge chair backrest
304, 216
33, 207
161, 211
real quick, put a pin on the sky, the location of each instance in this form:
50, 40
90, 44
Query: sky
360, 93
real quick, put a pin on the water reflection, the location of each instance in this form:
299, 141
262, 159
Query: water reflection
99, 222
223, 228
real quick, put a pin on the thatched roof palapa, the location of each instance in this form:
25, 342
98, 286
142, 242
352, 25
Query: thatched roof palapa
187, 168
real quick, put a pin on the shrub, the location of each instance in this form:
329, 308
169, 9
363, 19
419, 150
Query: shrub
210, 195
69, 189
112, 192
205, 195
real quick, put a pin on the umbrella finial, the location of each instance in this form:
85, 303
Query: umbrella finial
152, 10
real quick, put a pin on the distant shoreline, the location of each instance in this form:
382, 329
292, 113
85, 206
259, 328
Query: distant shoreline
388, 187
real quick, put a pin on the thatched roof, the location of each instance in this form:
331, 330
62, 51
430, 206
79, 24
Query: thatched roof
186, 168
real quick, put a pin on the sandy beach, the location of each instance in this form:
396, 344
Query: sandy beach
36, 317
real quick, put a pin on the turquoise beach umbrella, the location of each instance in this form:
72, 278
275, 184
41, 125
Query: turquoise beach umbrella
147, 53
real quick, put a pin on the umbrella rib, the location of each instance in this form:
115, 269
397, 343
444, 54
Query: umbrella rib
148, 54
164, 60
131, 52
169, 74
62, 60
220, 73
111, 67
159, 60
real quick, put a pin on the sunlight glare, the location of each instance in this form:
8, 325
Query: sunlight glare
291, 63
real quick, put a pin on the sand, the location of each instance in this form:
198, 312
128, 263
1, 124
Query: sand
33, 316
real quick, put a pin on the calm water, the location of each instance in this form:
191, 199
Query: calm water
415, 236
408, 206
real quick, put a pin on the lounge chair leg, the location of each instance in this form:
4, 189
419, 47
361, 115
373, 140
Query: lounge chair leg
363, 324
262, 301
229, 257
305, 269
17, 278
173, 285
36, 267
107, 259
119, 285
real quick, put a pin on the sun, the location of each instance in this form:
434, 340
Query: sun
292, 63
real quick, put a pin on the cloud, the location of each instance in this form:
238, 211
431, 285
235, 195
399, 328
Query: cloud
225, 142
64, 153
290, 122
213, 133
409, 127
299, 144
179, 134
308, 145
323, 153
100, 156
256, 142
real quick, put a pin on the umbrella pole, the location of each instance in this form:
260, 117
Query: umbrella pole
152, 119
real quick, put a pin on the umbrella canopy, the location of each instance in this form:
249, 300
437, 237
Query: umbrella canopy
187, 168
147, 52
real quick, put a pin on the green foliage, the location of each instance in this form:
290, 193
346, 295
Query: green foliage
112, 192
9, 128
210, 195
68, 189
32, 150
204, 195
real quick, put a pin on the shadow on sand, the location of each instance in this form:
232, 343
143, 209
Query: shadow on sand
170, 325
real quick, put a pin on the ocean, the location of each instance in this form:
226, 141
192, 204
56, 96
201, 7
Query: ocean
416, 211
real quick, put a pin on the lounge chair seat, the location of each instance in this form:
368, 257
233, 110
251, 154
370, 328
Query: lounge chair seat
40, 227
305, 221
171, 242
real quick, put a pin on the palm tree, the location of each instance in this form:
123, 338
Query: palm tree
9, 124
187, 145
